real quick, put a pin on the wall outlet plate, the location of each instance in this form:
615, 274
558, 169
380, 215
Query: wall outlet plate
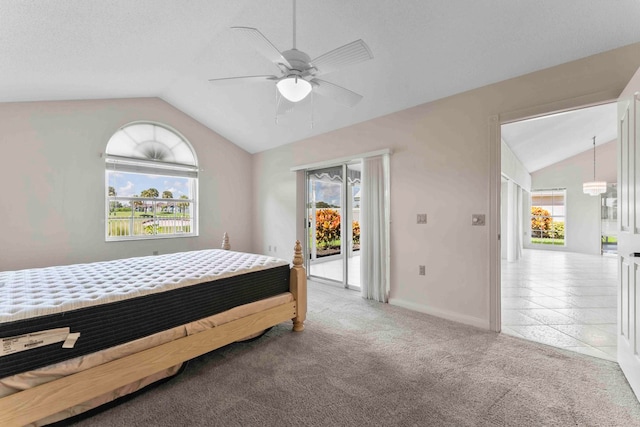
477, 219
422, 270
422, 218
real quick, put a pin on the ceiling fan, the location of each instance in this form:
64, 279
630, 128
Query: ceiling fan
298, 72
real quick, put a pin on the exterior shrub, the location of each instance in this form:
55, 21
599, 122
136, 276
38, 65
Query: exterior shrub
356, 232
540, 222
327, 227
556, 230
151, 228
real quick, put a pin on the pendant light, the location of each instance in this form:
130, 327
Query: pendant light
594, 188
293, 87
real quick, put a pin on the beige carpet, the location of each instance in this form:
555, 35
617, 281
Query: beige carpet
361, 363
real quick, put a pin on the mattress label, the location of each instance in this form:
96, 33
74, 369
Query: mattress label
10, 345
71, 340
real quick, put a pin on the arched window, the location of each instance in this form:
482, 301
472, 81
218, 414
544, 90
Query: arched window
151, 184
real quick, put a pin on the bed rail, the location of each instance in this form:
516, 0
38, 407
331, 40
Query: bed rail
36, 403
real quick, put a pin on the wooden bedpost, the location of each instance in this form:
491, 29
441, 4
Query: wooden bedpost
298, 287
225, 242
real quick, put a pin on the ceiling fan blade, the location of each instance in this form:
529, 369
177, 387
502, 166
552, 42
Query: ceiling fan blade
338, 93
263, 45
284, 105
348, 54
242, 79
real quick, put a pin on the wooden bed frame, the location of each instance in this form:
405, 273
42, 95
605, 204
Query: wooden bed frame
50, 398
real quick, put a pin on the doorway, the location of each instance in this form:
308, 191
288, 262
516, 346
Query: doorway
609, 218
557, 287
333, 224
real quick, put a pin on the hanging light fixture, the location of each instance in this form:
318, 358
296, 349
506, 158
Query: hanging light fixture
594, 188
293, 88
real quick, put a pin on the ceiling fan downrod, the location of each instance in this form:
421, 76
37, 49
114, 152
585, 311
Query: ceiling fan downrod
294, 24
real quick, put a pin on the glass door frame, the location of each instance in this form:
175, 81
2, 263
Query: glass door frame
346, 230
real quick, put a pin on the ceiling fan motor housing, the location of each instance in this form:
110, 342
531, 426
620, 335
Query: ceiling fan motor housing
300, 61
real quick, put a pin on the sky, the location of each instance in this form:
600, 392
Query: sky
328, 192
130, 184
331, 192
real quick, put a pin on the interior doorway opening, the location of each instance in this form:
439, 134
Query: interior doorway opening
558, 284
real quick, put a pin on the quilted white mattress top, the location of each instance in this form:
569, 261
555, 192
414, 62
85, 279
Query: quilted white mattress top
36, 292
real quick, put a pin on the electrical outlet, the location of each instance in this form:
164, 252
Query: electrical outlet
275, 249
422, 218
422, 270
155, 252
269, 248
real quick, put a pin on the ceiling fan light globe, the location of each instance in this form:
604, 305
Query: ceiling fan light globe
294, 89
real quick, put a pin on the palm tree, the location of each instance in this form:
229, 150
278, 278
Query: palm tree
167, 207
183, 205
150, 193
112, 204
136, 203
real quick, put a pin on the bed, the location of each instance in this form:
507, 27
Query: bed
93, 332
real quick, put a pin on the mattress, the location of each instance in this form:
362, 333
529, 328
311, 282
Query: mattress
23, 381
113, 302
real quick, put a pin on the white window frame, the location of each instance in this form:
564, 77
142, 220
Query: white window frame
552, 215
137, 165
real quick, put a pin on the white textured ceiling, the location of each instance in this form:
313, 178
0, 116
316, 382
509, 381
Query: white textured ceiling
546, 140
423, 50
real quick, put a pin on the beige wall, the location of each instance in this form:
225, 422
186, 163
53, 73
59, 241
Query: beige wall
582, 211
53, 205
53, 180
441, 166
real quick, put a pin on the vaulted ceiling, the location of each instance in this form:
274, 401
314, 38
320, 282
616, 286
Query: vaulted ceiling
546, 140
422, 50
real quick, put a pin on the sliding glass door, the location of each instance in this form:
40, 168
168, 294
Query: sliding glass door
333, 229
353, 205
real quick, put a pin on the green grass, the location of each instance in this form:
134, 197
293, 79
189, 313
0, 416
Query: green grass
334, 244
127, 214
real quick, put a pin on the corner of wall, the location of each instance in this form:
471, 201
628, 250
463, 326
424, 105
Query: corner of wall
445, 314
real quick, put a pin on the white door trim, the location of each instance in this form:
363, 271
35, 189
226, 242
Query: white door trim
495, 172
495, 258
342, 160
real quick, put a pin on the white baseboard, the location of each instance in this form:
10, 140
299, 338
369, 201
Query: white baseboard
445, 314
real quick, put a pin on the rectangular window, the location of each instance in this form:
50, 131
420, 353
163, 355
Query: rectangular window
143, 206
548, 217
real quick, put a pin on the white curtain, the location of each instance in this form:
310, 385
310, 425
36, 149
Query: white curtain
374, 229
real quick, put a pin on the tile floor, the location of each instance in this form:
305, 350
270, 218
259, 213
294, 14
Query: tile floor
333, 269
563, 299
